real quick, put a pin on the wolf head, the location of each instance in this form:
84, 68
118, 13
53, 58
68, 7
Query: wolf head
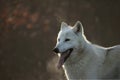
69, 41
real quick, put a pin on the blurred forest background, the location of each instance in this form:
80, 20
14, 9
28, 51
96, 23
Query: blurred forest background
28, 31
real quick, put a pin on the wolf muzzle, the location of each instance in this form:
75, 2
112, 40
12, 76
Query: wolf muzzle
56, 50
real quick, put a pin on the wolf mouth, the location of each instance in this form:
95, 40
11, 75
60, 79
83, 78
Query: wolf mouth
63, 57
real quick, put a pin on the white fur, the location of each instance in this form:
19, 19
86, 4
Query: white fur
87, 61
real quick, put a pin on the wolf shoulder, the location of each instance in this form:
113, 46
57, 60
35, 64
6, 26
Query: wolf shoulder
114, 48
113, 51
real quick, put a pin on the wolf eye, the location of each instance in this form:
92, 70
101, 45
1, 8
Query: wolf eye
67, 40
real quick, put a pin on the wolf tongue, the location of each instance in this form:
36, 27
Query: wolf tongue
63, 58
61, 61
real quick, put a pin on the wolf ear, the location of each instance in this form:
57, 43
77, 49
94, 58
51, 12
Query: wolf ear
64, 25
78, 27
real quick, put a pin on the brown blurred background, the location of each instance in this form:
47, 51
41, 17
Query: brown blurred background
28, 31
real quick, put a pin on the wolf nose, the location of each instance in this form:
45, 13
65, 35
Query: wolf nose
56, 50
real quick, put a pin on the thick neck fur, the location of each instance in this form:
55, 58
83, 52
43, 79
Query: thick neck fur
79, 64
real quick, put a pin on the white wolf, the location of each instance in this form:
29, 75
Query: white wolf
83, 60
